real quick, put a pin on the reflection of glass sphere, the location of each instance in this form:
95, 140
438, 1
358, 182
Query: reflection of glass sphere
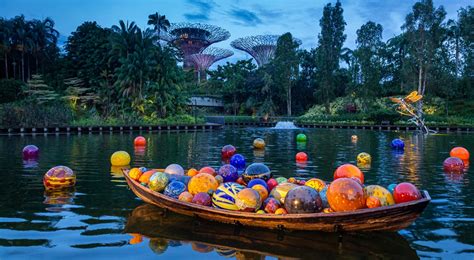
301, 137
59, 177
120, 158
30, 152
303, 199
238, 161
453, 165
229, 173
345, 194
228, 151
174, 169
158, 245
174, 189
259, 143
398, 144
257, 171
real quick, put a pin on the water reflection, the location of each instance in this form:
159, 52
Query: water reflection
165, 229
58, 198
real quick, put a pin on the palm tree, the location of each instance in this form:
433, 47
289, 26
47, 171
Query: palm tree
454, 33
159, 23
5, 40
42, 34
21, 39
123, 38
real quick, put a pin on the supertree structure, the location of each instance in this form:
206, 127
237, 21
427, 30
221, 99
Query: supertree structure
203, 60
261, 47
192, 38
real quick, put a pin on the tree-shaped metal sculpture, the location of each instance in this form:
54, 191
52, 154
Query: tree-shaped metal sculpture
261, 47
192, 38
406, 106
203, 60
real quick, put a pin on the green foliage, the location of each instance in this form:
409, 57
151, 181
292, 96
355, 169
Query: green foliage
38, 91
32, 114
10, 90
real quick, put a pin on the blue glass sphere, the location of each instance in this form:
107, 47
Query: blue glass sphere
228, 172
238, 161
391, 187
174, 189
398, 144
257, 181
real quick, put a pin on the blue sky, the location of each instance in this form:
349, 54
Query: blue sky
240, 18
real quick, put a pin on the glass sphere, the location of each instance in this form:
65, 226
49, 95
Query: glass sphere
30, 152
227, 151
256, 171
248, 200
349, 171
174, 189
303, 199
120, 158
364, 158
453, 165
59, 177
228, 172
158, 181
301, 137
259, 143
202, 198
398, 144
174, 169
345, 194
139, 141
460, 152
202, 182
238, 161
280, 191
405, 192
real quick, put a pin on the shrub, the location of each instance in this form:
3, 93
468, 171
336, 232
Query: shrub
31, 114
10, 90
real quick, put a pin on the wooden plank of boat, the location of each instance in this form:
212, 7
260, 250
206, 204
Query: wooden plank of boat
389, 218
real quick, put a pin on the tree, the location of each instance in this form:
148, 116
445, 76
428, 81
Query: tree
424, 30
6, 32
159, 22
42, 34
330, 42
286, 65
20, 39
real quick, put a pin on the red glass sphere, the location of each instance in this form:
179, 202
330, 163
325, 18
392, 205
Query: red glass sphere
139, 141
271, 183
405, 192
349, 171
460, 152
301, 157
228, 151
208, 170
453, 165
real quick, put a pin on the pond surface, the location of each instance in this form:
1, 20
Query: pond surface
101, 217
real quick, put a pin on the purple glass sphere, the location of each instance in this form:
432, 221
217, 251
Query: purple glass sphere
453, 165
30, 152
228, 172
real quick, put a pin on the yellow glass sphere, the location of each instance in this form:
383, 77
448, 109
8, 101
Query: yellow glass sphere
259, 143
316, 184
120, 158
364, 158
202, 182
379, 192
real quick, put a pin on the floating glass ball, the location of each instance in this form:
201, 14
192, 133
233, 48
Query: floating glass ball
248, 200
398, 144
303, 199
262, 191
238, 161
229, 173
345, 194
120, 158
280, 191
202, 182
259, 143
453, 165
257, 181
224, 196
158, 181
364, 158
139, 141
256, 171
405, 192
174, 169
208, 170
270, 205
271, 183
379, 192
373, 202
191, 172
316, 184
301, 157
228, 151
135, 173
391, 187
460, 152
30, 152
59, 177
348, 171
354, 138
202, 198
174, 189
301, 137
186, 196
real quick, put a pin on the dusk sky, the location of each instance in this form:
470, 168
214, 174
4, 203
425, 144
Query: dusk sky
240, 18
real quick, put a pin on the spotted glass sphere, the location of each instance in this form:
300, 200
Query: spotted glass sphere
174, 169
238, 161
453, 165
270, 205
256, 171
30, 152
174, 189
345, 194
228, 172
227, 151
280, 191
348, 171
202, 182
303, 199
364, 158
158, 181
59, 177
224, 196
248, 200
316, 184
398, 144
384, 196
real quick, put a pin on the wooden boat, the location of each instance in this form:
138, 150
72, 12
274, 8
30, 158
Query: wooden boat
390, 218
166, 229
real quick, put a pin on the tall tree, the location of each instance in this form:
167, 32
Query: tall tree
6, 31
159, 23
286, 65
330, 42
424, 30
42, 34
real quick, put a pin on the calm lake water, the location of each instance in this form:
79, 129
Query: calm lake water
101, 217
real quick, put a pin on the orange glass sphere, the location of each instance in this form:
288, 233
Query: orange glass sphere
139, 141
202, 182
460, 152
192, 172
135, 173
281, 211
301, 157
345, 194
145, 177
262, 191
186, 196
347, 171
373, 202
208, 170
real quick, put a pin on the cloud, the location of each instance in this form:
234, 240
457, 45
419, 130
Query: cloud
244, 17
204, 9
